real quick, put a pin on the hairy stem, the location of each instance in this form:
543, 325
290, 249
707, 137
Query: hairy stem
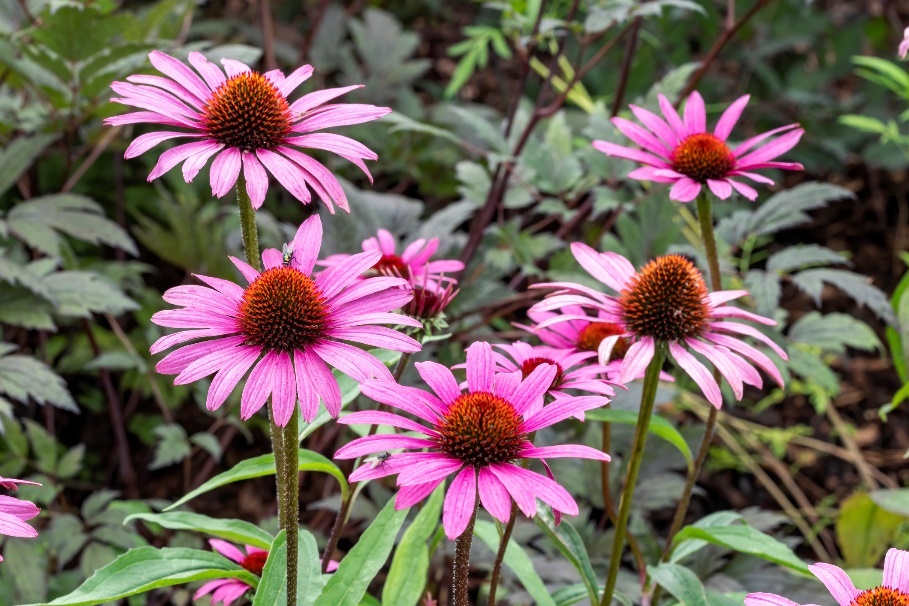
635, 457
283, 439
461, 570
705, 217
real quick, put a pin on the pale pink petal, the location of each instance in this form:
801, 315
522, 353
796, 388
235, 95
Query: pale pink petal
612, 269
295, 79
227, 378
753, 176
636, 359
722, 189
143, 143
695, 114
211, 73
175, 69
642, 137
24, 510
284, 389
247, 270
387, 242
155, 99
723, 296
744, 329
169, 86
228, 593
287, 173
460, 501
724, 365
561, 409
306, 391
409, 399
619, 151
698, 372
408, 496
306, 244
767, 599
494, 496
743, 147
563, 451
896, 570
195, 163
12, 526
657, 125
319, 178
234, 68
440, 380
177, 360
506, 383
749, 352
685, 190
317, 98
225, 170
175, 155
547, 490
533, 388
649, 173
737, 312
256, 179
323, 381
258, 387
730, 117
746, 190
143, 117
837, 582
481, 367
272, 258
227, 354
225, 287
337, 277
228, 550
379, 443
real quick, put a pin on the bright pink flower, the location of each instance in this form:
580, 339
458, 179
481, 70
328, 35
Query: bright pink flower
667, 303
904, 45
682, 152
894, 590
574, 369
14, 513
415, 260
477, 436
287, 326
226, 591
246, 119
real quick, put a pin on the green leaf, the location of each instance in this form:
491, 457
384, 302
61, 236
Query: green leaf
146, 568
172, 445
407, 574
801, 256
24, 378
264, 465
833, 332
81, 293
681, 582
764, 287
37, 221
18, 156
894, 500
857, 286
235, 531
746, 539
272, 590
518, 561
719, 518
864, 530
570, 544
789, 207
348, 584
659, 427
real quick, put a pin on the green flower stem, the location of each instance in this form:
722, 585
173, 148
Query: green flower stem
648, 397
705, 216
461, 570
283, 439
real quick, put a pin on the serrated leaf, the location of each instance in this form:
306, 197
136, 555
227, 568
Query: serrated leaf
517, 560
38, 221
348, 584
16, 274
81, 293
789, 208
764, 287
810, 367
146, 568
833, 332
801, 256
18, 156
172, 446
208, 443
236, 531
264, 465
71, 462
857, 286
23, 378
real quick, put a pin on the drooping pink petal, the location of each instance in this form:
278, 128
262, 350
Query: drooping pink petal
319, 178
896, 570
636, 359
837, 582
143, 143
284, 389
169, 86
494, 496
322, 379
722, 189
753, 354
179, 359
197, 162
210, 587
227, 378
519, 490
225, 170
286, 172
408, 496
20, 508
258, 387
226, 549
746, 190
376, 417
685, 190
175, 155
352, 361
751, 332
256, 179
428, 469
459, 504
227, 353
725, 366
698, 372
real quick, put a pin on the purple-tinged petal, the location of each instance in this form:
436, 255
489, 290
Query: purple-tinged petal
211, 73
722, 189
510, 477
379, 443
352, 361
210, 587
534, 387
258, 387
767, 599
685, 190
256, 179
636, 359
323, 380
636, 155
726, 367
440, 380
612, 269
319, 178
837, 582
409, 399
744, 329
234, 67
143, 143
481, 367
306, 244
272, 258
649, 173
225, 287
494, 496
657, 125
175, 69
746, 190
247, 270
699, 373
317, 98
460, 501
771, 150
286, 172
730, 117
343, 114
377, 336
695, 114
753, 354
228, 550
563, 451
227, 378
306, 391
672, 117
284, 389
377, 417
408, 496
336, 278
727, 311
195, 163
560, 410
743, 147
295, 79
175, 155
896, 570
225, 170
642, 137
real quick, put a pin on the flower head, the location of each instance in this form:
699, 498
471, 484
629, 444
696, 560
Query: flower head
287, 325
904, 45
667, 303
477, 436
226, 591
683, 153
14, 513
430, 300
894, 591
413, 261
244, 120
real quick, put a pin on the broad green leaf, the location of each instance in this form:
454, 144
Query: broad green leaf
833, 332
764, 288
570, 544
348, 584
746, 539
518, 561
720, 518
18, 156
236, 531
272, 590
264, 465
681, 582
894, 500
82, 293
146, 568
864, 530
172, 447
25, 378
857, 286
801, 256
659, 426
410, 564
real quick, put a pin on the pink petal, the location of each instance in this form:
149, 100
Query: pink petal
284, 389
494, 496
724, 365
306, 244
428, 468
746, 190
481, 367
227, 378
721, 189
306, 391
234, 68
375, 417
440, 380
896, 570
636, 359
377, 336
534, 387
272, 258
225, 287
409, 399
363, 288
749, 352
258, 387
12, 526
175, 69
672, 117
699, 373
657, 125
143, 143
612, 269
649, 173
520, 491
247, 270
408, 496
210, 587
352, 361
744, 329
685, 190
334, 279
226, 354
561, 409
175, 155
319, 178
343, 114
695, 114
143, 117
24, 510
767, 599
460, 502
317, 98
295, 79
212, 74
743, 147
563, 451
169, 86
770, 151
379, 443
256, 179
287, 173
224, 171
730, 117
727, 311
642, 137
836, 581
323, 380
611, 149
195, 163
227, 550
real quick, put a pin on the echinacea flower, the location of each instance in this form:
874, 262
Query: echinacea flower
667, 304
415, 260
478, 436
574, 369
14, 513
894, 591
287, 326
683, 153
226, 591
904, 45
430, 300
244, 120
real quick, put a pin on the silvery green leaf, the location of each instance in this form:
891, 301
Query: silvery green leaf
172, 446
801, 256
81, 293
789, 207
25, 378
857, 286
833, 332
18, 156
764, 288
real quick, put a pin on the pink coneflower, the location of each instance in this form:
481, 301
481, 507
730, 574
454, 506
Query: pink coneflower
14, 513
904, 45
574, 369
246, 119
667, 303
894, 591
415, 260
287, 326
682, 152
477, 436
226, 591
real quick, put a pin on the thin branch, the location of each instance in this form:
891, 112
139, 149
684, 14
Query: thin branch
626, 66
268, 35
